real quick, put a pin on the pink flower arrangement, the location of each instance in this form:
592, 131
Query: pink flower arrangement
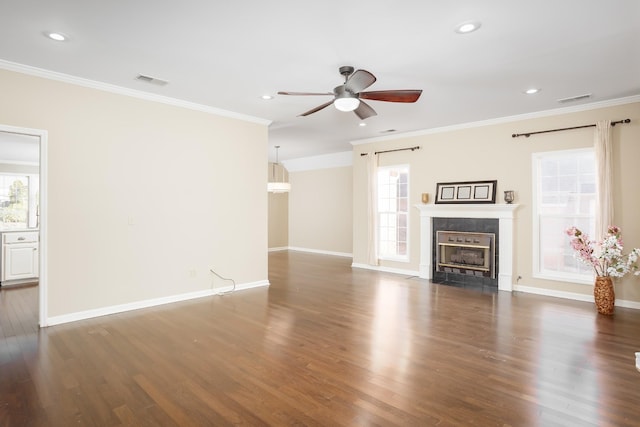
605, 256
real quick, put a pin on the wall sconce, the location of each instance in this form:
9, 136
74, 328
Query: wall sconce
509, 196
425, 198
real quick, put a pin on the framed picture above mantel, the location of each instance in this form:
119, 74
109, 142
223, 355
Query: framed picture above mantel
466, 192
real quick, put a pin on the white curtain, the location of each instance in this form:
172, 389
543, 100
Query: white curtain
372, 209
604, 177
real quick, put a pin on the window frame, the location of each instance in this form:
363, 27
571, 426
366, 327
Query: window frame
397, 258
537, 268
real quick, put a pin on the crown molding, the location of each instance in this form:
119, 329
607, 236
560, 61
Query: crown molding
508, 119
106, 87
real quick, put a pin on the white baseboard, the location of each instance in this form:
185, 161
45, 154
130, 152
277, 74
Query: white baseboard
114, 309
320, 251
386, 269
282, 248
572, 295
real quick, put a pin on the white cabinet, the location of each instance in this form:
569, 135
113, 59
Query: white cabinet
19, 255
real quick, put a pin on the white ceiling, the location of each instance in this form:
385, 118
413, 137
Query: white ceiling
227, 54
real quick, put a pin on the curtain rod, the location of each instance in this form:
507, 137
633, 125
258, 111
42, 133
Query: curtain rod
417, 147
515, 135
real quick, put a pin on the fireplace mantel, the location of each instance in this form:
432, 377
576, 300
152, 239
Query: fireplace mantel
505, 213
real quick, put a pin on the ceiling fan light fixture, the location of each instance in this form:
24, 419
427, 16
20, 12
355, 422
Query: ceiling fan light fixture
346, 103
347, 96
345, 100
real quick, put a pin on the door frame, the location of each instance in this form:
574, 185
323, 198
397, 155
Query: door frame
43, 302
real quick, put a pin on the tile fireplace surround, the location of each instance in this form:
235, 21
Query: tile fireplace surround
505, 213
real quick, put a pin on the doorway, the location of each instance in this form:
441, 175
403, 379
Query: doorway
23, 164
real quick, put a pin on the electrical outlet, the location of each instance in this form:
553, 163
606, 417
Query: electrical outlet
192, 273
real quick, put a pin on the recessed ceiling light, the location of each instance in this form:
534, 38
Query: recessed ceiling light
532, 91
468, 27
362, 124
59, 37
266, 97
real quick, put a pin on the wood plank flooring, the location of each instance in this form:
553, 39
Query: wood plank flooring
324, 345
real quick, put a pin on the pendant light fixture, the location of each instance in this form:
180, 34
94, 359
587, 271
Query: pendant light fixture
275, 186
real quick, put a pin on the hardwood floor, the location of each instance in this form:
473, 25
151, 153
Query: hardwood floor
324, 345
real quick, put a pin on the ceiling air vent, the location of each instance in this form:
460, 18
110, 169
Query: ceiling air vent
574, 98
388, 131
152, 80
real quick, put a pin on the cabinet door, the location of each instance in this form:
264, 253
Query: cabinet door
20, 261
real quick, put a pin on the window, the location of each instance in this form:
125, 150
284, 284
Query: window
18, 201
564, 195
393, 212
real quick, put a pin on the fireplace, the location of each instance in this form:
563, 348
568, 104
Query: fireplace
464, 252
471, 254
473, 218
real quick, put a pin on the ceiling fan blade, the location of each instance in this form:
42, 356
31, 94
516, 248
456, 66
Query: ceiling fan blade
364, 111
360, 80
305, 93
392, 95
325, 105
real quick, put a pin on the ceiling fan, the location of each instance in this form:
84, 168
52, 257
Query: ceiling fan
349, 96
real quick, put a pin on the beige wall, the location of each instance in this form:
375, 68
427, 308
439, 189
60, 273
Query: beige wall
278, 210
489, 152
142, 196
320, 210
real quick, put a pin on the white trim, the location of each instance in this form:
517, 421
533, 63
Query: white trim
497, 210
553, 293
558, 277
324, 161
281, 248
66, 78
386, 269
508, 119
114, 309
321, 252
43, 281
398, 258
572, 296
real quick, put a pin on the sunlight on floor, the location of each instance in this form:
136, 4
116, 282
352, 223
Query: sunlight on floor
391, 338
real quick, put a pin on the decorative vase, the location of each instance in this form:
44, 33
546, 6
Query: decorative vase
604, 295
508, 196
